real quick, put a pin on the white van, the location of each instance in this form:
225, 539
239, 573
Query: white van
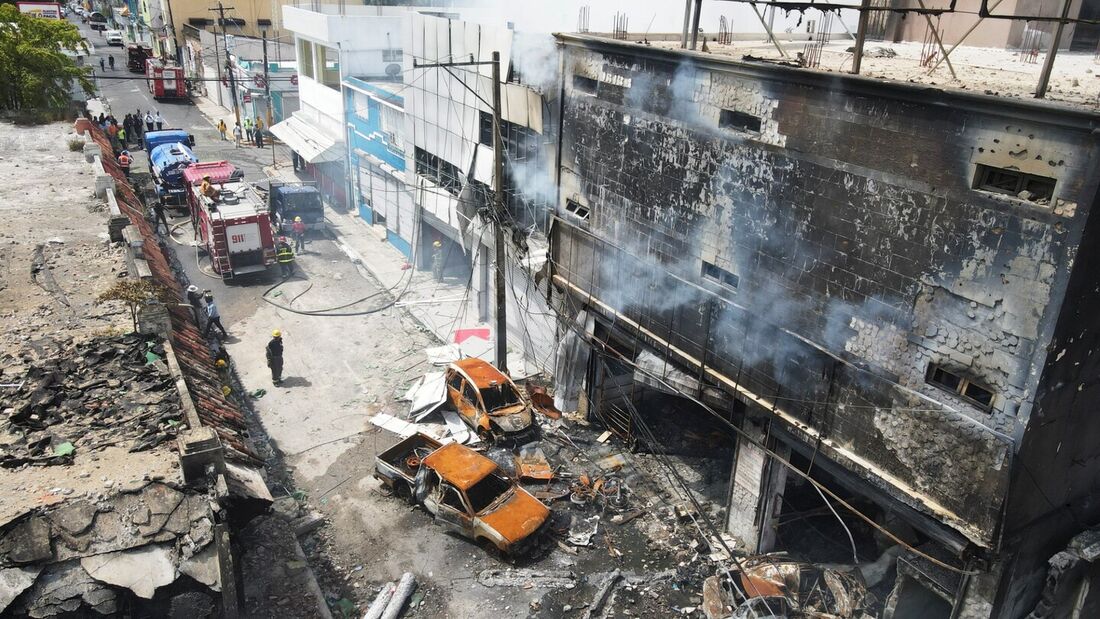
114, 37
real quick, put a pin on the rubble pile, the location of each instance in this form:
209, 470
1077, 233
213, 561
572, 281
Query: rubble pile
59, 397
110, 553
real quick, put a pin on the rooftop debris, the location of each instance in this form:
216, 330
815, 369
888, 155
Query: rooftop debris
85, 396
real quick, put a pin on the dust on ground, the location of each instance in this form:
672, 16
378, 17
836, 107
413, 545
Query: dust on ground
55, 258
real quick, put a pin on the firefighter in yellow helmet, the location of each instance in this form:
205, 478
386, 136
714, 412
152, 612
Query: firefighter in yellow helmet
275, 356
284, 255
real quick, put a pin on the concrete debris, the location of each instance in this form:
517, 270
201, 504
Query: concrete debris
307, 524
27, 542
527, 578
140, 570
15, 580
106, 391
64, 589
603, 594
203, 567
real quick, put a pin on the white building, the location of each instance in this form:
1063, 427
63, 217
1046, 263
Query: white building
331, 43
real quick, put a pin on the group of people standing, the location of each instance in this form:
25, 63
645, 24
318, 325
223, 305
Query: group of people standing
202, 304
131, 129
253, 131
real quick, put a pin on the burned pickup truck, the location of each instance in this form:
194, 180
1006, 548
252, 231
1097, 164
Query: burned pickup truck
465, 492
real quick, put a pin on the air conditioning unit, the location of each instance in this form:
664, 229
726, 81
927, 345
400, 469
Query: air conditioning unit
393, 70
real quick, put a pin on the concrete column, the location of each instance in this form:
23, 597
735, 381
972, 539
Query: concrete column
756, 493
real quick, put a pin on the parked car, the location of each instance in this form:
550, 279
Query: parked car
114, 37
489, 402
465, 492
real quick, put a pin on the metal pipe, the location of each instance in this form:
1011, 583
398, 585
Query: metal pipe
1048, 64
861, 36
695, 23
936, 34
961, 39
687, 24
771, 37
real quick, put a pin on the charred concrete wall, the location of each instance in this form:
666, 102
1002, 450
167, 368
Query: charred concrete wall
818, 244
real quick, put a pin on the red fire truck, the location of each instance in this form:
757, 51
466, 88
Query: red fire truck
165, 80
235, 227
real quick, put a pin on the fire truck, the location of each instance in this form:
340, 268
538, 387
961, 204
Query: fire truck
165, 80
136, 55
234, 227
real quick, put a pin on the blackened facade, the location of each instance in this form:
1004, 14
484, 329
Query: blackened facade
890, 277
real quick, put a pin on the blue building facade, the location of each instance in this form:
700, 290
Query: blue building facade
376, 155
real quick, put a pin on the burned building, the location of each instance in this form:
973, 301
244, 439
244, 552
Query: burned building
880, 289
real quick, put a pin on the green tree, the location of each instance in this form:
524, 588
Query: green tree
35, 71
136, 293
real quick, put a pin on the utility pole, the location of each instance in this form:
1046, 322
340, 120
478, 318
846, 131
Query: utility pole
218, 67
175, 38
498, 208
1048, 63
861, 35
228, 63
498, 203
267, 96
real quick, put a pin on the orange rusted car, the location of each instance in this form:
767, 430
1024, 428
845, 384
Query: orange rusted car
489, 402
465, 492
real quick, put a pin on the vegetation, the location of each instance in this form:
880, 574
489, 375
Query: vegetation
36, 74
136, 293
76, 145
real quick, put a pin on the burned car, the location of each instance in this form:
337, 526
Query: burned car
488, 401
465, 492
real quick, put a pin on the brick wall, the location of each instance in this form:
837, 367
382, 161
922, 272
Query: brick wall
855, 250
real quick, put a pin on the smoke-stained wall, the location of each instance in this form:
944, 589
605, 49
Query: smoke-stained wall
818, 242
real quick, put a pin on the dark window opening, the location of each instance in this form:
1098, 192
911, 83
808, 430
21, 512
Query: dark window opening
485, 492
584, 84
455, 382
232, 21
732, 119
579, 210
452, 500
263, 22
1014, 183
960, 385
469, 394
720, 275
499, 396
200, 21
442, 172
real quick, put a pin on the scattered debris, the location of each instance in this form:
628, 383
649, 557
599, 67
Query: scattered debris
604, 593
803, 588
400, 595
527, 578
543, 402
531, 464
378, 606
89, 395
581, 533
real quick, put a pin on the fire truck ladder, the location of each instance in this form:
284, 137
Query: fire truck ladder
220, 255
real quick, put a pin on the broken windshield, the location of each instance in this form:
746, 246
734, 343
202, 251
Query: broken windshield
483, 493
499, 396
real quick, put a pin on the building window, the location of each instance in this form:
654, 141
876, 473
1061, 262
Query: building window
716, 273
391, 55
441, 172
200, 21
263, 22
1014, 183
960, 385
740, 121
584, 84
328, 63
305, 58
578, 210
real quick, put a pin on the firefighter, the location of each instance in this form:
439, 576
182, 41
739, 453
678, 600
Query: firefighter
275, 356
299, 231
222, 128
437, 260
124, 162
194, 297
159, 218
213, 316
258, 132
285, 256
207, 188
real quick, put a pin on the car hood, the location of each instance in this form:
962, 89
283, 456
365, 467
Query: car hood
512, 418
518, 517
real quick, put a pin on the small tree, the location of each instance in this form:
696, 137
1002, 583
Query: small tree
136, 293
35, 71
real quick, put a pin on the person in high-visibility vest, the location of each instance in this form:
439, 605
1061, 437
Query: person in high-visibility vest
124, 161
284, 255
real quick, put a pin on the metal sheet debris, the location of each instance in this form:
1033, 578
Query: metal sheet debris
426, 395
531, 464
581, 533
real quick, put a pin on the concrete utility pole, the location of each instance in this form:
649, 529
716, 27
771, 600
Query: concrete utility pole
217, 67
498, 204
861, 35
228, 64
175, 37
498, 201
267, 95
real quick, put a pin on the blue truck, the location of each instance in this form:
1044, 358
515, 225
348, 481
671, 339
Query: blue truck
169, 155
